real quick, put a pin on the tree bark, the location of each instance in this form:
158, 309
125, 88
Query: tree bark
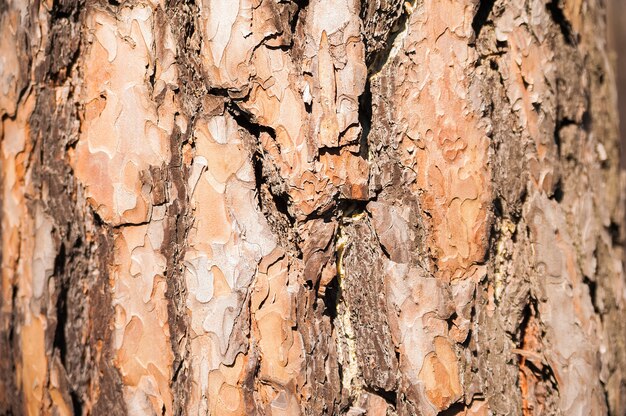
283, 207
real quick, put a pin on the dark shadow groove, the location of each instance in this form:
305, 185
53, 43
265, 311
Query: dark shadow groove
482, 16
554, 8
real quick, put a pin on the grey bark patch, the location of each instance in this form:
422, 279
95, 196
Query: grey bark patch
363, 300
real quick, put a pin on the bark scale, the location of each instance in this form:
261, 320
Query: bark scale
310, 207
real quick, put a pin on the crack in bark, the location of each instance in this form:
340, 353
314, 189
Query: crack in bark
59, 341
376, 61
555, 9
534, 368
481, 18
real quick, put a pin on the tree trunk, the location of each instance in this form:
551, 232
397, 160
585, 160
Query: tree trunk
283, 207
616, 19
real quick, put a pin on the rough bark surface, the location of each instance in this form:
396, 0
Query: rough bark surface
284, 207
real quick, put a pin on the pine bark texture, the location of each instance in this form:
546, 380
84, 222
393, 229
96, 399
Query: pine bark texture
277, 207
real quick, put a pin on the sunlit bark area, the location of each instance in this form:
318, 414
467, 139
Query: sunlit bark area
310, 207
